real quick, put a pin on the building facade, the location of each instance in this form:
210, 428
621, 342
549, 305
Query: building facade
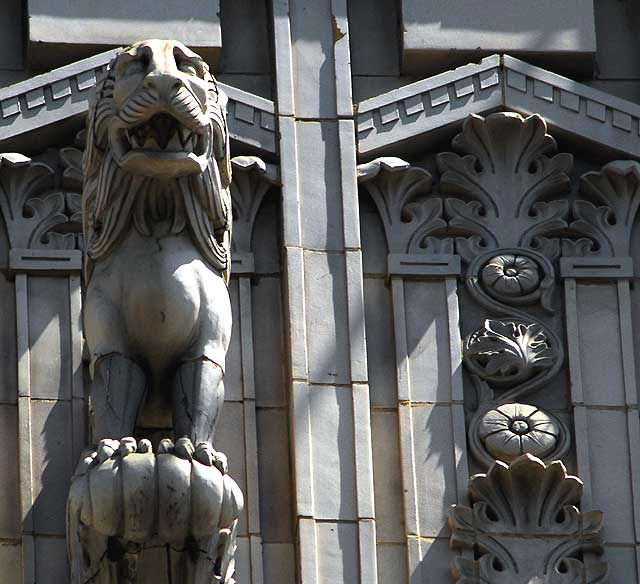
433, 283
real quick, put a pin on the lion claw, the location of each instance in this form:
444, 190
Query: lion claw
205, 454
184, 448
105, 449
127, 446
166, 446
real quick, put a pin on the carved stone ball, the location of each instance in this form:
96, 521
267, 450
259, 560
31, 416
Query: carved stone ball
143, 496
510, 275
514, 429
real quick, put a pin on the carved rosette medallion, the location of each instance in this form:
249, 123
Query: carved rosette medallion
510, 276
524, 527
510, 430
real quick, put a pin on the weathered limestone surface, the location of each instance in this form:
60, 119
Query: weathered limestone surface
60, 31
438, 35
474, 303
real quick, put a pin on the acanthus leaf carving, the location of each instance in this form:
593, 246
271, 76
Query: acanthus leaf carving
410, 216
524, 526
507, 353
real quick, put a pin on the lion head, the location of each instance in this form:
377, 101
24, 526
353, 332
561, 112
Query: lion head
158, 151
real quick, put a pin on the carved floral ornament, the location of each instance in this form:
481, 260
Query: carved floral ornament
524, 527
504, 186
510, 430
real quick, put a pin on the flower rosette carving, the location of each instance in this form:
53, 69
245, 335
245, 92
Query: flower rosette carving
524, 526
510, 276
513, 429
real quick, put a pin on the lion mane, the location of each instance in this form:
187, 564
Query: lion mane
116, 201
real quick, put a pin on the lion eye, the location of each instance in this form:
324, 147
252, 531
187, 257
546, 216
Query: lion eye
188, 68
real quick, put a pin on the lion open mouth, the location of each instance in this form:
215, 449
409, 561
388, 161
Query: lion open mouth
160, 145
164, 133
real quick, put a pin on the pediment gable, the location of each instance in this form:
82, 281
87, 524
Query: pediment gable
62, 95
497, 83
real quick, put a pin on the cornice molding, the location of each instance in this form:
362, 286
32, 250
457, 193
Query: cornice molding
65, 92
497, 83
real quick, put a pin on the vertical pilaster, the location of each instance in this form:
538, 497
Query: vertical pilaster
331, 438
430, 404
252, 179
605, 403
50, 398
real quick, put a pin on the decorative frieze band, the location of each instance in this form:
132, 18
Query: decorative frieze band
504, 186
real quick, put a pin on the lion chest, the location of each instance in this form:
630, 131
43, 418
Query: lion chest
167, 296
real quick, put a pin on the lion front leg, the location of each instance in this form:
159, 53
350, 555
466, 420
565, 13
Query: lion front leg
117, 393
198, 395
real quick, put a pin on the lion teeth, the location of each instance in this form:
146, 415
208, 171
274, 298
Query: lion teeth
186, 137
174, 143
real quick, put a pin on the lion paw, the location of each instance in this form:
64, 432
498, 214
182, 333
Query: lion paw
110, 448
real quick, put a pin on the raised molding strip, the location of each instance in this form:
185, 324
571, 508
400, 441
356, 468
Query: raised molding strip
596, 268
45, 261
429, 104
65, 92
498, 83
423, 265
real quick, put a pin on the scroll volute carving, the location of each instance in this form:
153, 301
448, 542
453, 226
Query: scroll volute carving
252, 179
40, 201
413, 220
524, 527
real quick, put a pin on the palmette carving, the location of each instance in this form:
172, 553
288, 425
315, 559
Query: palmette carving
504, 186
607, 211
503, 166
157, 319
524, 526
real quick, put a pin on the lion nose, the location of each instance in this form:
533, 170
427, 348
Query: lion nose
164, 84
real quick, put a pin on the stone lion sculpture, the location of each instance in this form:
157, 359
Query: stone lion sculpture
157, 320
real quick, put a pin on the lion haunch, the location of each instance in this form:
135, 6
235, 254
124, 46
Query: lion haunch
157, 221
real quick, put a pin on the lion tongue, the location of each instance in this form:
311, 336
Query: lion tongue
163, 127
